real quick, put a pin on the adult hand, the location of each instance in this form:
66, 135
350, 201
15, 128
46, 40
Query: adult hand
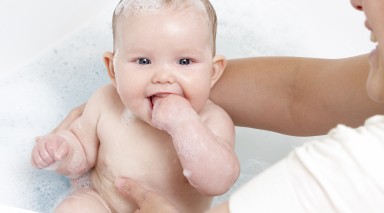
147, 201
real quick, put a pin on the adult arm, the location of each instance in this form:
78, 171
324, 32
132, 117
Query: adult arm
296, 96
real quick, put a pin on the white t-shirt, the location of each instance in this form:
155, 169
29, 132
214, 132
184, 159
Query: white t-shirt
344, 172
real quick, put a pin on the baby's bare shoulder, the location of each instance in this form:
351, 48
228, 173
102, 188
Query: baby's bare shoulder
105, 92
212, 110
218, 120
104, 95
103, 99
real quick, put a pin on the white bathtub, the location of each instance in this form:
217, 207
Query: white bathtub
46, 71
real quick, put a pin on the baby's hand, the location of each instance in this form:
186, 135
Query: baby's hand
167, 111
48, 150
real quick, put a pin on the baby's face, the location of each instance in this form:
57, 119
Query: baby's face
166, 52
374, 12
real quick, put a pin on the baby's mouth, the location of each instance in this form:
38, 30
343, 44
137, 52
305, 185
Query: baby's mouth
151, 100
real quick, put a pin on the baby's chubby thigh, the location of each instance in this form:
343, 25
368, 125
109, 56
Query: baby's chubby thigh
83, 200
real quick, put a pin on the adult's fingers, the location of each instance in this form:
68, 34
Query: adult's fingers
146, 200
133, 191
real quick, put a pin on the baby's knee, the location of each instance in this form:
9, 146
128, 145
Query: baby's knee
83, 201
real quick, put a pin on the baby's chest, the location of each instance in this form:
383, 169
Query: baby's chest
136, 149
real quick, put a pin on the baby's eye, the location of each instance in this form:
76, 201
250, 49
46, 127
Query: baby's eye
184, 61
143, 61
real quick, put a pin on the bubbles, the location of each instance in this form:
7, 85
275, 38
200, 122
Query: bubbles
187, 173
47, 189
189, 150
36, 98
128, 116
128, 7
82, 182
22, 185
53, 166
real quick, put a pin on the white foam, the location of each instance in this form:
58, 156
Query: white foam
128, 7
137, 6
53, 166
82, 182
35, 98
128, 116
187, 173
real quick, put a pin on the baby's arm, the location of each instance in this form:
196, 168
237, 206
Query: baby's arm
71, 151
204, 142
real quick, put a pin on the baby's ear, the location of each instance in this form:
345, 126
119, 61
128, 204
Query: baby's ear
108, 61
219, 64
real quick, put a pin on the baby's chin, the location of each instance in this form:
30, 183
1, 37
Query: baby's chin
145, 116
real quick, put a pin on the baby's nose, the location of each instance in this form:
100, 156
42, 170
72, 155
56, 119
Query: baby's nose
163, 76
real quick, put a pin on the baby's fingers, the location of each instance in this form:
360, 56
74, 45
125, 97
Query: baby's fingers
44, 152
48, 150
37, 160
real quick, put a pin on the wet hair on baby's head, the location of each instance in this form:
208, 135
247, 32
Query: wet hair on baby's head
136, 6
128, 7
132, 7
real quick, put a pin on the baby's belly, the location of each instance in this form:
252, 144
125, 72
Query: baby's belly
155, 167
182, 195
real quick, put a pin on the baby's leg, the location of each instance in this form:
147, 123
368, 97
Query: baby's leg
83, 200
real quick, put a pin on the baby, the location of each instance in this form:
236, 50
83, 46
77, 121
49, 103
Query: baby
155, 123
